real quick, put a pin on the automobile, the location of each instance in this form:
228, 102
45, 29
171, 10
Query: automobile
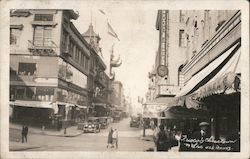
92, 125
103, 122
135, 122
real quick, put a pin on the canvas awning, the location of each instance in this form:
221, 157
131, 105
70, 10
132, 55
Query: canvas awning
208, 72
34, 104
220, 76
227, 80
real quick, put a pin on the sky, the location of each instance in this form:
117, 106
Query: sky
137, 46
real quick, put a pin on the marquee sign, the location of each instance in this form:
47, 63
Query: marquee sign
162, 69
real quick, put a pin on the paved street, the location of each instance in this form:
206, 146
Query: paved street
129, 140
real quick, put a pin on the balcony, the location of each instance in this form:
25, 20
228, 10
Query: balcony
48, 49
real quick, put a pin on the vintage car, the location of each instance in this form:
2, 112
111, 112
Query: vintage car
135, 122
104, 122
92, 125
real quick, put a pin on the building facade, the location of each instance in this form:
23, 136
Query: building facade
49, 67
198, 64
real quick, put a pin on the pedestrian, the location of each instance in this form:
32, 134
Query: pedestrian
25, 130
203, 132
115, 138
202, 135
155, 135
152, 124
110, 137
161, 140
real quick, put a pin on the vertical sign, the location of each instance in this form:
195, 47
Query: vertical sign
163, 38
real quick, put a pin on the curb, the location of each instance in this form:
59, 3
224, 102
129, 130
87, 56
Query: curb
23, 149
62, 135
59, 135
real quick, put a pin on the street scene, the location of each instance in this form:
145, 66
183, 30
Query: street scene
94, 79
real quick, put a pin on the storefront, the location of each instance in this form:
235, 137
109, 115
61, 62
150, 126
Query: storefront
216, 88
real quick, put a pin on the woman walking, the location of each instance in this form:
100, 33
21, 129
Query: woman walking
110, 142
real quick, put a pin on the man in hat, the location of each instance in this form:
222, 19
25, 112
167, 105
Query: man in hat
203, 132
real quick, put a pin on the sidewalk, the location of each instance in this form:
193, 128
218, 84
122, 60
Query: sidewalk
70, 132
18, 146
148, 135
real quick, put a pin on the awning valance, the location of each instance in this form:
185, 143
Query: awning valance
100, 105
208, 72
82, 106
34, 104
179, 112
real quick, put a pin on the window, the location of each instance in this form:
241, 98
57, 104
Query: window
77, 55
71, 49
14, 36
45, 93
65, 40
42, 36
82, 60
30, 92
43, 17
180, 76
182, 16
27, 69
20, 92
86, 63
181, 38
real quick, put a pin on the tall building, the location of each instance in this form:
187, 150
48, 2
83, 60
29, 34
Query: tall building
198, 64
49, 67
212, 71
98, 80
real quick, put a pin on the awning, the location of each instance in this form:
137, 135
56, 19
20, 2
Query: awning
208, 72
82, 106
163, 100
100, 104
227, 80
34, 104
179, 112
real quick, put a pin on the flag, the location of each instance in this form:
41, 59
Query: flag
102, 11
112, 32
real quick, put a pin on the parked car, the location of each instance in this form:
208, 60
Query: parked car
135, 122
103, 122
92, 125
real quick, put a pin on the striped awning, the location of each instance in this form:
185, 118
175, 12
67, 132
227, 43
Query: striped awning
211, 71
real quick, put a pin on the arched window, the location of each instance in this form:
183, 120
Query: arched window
180, 76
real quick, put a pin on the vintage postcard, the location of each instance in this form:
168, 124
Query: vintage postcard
124, 79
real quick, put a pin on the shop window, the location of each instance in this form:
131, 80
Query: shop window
12, 93
43, 17
45, 93
14, 36
30, 93
181, 38
28, 69
42, 36
20, 92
